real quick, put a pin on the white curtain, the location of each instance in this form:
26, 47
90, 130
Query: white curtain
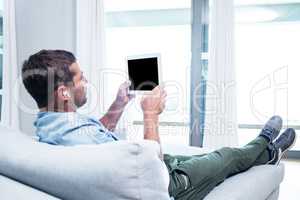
90, 46
221, 106
10, 114
90, 53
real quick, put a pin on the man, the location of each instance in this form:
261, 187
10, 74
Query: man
54, 80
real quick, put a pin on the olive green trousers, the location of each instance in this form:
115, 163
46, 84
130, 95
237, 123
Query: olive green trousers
193, 177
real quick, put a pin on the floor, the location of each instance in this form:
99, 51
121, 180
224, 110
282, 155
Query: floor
290, 188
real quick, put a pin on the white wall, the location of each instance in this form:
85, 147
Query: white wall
42, 24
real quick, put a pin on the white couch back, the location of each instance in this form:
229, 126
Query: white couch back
118, 170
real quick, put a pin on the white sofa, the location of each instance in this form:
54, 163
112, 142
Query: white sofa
123, 170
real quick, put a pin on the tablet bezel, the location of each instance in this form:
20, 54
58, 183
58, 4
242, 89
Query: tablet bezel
145, 56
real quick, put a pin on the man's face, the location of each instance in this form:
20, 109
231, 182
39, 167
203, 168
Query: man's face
79, 89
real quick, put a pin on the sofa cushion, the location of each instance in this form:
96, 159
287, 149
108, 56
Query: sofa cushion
10, 189
118, 170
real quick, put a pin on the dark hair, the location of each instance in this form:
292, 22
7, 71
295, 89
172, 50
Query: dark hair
44, 71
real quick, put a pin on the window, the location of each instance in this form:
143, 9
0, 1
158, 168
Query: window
1, 53
267, 51
135, 27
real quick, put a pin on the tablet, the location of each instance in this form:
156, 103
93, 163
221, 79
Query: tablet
144, 72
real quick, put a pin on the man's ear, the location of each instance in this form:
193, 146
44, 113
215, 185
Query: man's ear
63, 93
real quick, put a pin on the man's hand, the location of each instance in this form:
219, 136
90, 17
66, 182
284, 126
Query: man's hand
123, 97
154, 103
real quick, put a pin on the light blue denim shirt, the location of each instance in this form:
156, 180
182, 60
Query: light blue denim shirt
71, 128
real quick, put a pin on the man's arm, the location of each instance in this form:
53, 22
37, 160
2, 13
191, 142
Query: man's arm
152, 106
151, 128
111, 118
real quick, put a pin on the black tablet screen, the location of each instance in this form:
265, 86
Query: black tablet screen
143, 73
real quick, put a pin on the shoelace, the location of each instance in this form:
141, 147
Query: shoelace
268, 132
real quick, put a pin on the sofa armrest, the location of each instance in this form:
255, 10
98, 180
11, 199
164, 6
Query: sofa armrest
259, 183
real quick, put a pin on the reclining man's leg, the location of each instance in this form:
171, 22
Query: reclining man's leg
194, 177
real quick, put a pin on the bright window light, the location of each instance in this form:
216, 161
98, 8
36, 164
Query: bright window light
255, 15
129, 5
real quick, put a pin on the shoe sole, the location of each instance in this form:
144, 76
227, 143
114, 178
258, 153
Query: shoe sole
283, 153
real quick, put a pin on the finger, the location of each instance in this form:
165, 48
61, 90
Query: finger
159, 91
164, 93
131, 96
162, 106
126, 85
162, 86
155, 92
143, 98
163, 103
156, 89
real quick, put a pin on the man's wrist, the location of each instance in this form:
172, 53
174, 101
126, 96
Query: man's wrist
151, 116
151, 125
151, 121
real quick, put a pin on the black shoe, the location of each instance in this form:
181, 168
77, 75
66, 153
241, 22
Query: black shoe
285, 142
271, 129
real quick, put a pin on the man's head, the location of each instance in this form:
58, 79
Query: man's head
54, 79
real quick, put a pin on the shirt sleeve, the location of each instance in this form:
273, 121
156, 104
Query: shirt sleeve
88, 134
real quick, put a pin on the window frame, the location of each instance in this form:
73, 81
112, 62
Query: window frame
1, 53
